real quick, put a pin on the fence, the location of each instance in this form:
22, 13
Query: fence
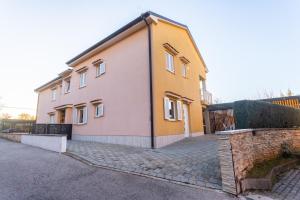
16, 125
61, 129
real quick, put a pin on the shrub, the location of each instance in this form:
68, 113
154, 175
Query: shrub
260, 114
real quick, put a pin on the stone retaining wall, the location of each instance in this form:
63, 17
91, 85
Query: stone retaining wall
239, 150
16, 137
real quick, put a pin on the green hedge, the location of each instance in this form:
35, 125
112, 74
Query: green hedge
259, 114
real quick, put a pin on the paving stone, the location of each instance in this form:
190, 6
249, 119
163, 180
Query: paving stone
192, 160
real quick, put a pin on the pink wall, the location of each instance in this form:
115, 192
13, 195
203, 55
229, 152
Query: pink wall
124, 89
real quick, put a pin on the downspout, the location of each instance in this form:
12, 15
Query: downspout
150, 79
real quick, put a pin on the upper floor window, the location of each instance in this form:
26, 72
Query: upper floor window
67, 85
53, 94
184, 70
170, 62
82, 81
100, 69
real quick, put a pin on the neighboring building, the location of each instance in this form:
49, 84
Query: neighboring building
291, 101
143, 85
221, 116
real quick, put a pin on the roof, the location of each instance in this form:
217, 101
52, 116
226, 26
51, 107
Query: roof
282, 98
131, 24
58, 78
134, 22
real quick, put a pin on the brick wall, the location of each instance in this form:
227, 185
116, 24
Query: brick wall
239, 150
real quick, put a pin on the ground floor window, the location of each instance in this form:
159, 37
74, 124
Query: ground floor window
80, 115
51, 118
173, 109
99, 110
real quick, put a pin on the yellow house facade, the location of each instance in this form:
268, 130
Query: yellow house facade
151, 89
180, 85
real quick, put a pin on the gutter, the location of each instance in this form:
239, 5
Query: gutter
150, 79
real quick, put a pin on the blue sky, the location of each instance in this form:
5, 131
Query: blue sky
249, 46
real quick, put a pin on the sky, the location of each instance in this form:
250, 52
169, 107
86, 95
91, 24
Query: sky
249, 47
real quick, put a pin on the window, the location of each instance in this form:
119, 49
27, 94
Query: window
170, 62
173, 109
82, 82
53, 95
99, 110
184, 70
100, 69
51, 119
67, 85
80, 115
202, 87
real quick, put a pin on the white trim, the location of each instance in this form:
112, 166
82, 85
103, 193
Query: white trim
170, 62
196, 134
137, 141
161, 141
179, 110
82, 79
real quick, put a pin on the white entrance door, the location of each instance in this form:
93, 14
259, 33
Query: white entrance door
186, 120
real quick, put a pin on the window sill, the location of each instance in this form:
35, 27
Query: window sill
97, 76
67, 92
171, 120
98, 117
82, 87
172, 72
80, 124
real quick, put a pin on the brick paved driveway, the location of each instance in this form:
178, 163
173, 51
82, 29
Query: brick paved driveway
193, 160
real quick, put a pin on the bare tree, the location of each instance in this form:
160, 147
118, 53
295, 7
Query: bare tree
1, 104
268, 94
289, 93
26, 116
5, 116
217, 101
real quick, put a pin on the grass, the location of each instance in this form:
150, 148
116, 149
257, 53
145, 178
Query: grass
261, 170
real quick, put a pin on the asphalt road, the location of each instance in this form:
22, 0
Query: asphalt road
29, 173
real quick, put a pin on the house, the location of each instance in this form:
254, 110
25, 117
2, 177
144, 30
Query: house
143, 85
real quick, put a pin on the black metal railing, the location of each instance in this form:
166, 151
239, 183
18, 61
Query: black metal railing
61, 129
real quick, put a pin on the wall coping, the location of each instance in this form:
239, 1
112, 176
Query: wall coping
238, 131
51, 135
232, 132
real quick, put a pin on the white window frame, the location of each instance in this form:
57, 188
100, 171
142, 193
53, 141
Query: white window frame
184, 70
81, 110
67, 86
53, 94
82, 79
100, 69
52, 118
168, 108
99, 110
170, 62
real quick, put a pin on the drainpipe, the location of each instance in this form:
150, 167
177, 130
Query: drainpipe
150, 79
